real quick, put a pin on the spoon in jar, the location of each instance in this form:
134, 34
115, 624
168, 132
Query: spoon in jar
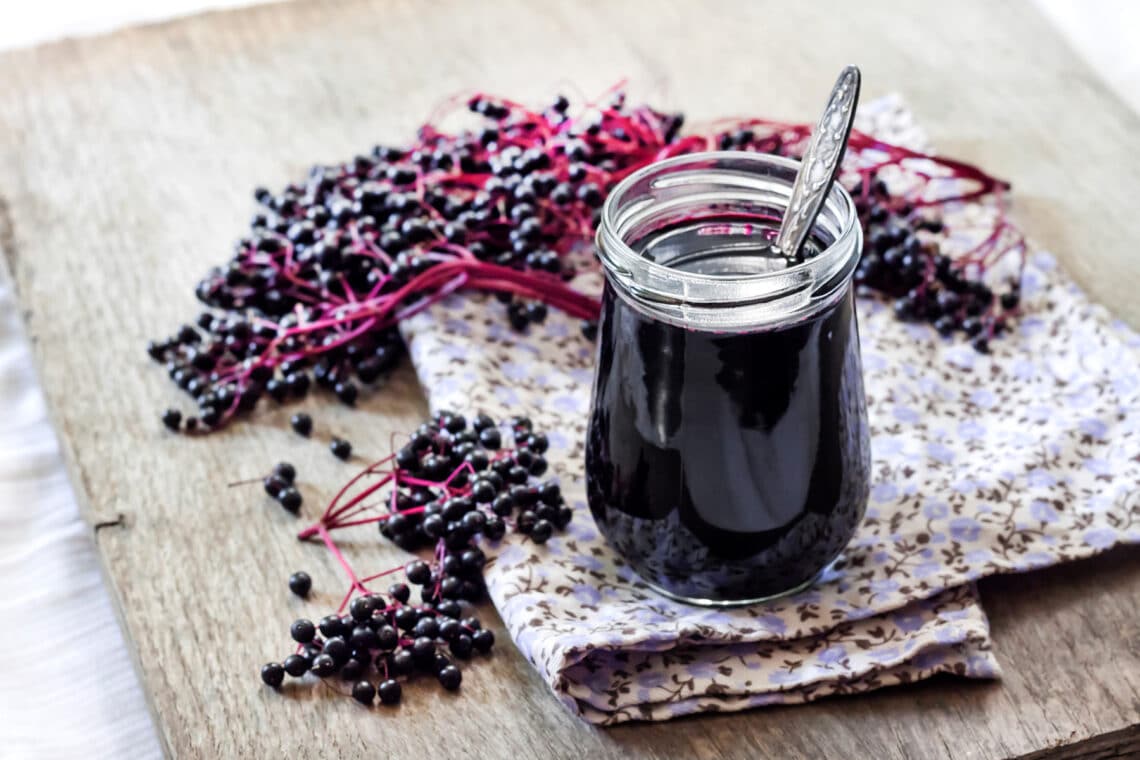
819, 165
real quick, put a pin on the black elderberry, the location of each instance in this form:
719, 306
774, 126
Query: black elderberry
330, 626
418, 572
407, 459
272, 674
461, 646
340, 448
346, 392
363, 637
363, 692
300, 583
483, 640
353, 669
388, 638
971, 326
483, 492
478, 460
290, 498
525, 496
565, 515
449, 608
450, 587
389, 692
277, 389
427, 626
400, 591
550, 493
423, 649
285, 471
296, 665
503, 505
474, 521
361, 609
457, 536
436, 467
406, 618
516, 315
401, 663
434, 526
494, 529
274, 485
494, 477
172, 418
302, 631
490, 438
454, 423
336, 648
525, 522
323, 665
450, 677
449, 629
541, 532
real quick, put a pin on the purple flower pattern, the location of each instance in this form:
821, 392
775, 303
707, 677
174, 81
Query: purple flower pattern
1039, 466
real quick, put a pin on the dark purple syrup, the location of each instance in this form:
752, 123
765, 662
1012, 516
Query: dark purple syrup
728, 467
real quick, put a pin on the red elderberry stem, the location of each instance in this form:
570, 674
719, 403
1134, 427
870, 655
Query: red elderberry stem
332, 547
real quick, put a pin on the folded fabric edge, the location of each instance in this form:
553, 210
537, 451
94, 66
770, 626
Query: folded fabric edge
970, 659
911, 644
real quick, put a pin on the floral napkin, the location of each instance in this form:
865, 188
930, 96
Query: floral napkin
983, 464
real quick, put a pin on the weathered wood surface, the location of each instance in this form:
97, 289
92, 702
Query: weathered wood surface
125, 169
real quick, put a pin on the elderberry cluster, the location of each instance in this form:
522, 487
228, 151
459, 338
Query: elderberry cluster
382, 641
519, 192
279, 486
495, 477
331, 264
901, 263
454, 482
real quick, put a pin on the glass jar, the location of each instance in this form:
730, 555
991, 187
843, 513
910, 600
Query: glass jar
728, 456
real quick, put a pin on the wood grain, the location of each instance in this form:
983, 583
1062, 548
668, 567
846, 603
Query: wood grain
126, 164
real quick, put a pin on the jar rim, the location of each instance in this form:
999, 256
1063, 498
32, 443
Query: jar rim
784, 293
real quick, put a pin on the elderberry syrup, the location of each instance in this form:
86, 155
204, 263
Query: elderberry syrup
728, 454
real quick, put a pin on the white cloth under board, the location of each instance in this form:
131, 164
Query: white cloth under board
67, 688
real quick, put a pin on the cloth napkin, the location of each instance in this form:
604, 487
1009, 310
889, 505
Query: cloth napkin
983, 464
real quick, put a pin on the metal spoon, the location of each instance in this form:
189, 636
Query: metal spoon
820, 164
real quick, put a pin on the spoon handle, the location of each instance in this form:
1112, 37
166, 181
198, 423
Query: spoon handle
820, 163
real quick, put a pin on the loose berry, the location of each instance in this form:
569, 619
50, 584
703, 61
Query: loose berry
389, 691
450, 677
272, 674
302, 424
300, 583
340, 448
363, 692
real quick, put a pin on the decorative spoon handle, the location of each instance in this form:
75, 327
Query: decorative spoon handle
820, 163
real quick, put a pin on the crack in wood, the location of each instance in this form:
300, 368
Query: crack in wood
119, 521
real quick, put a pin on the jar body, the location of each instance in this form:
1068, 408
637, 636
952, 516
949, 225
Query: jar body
728, 466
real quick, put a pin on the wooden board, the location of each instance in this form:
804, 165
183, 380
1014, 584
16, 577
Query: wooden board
126, 164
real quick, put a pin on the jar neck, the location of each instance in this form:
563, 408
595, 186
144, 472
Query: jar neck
687, 241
